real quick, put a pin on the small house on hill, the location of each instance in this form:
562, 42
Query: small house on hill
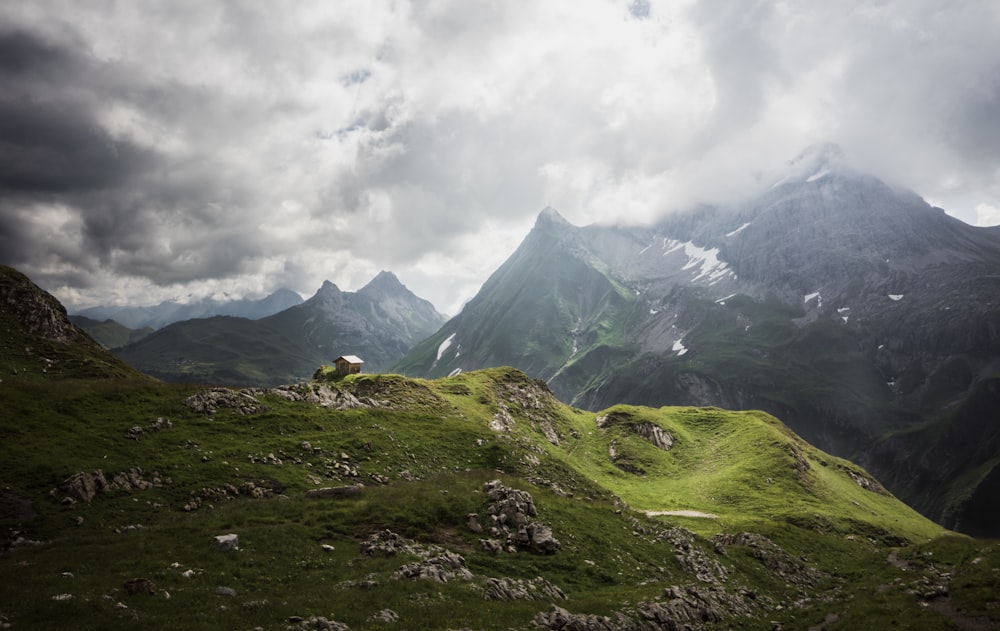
348, 364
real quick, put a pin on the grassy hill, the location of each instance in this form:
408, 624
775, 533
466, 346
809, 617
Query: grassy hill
352, 501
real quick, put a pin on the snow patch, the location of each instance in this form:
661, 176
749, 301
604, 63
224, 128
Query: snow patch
642, 251
444, 346
455, 372
813, 296
678, 348
653, 311
895, 297
722, 301
707, 261
816, 176
738, 230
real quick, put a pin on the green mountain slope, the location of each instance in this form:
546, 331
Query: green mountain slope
857, 313
543, 310
476, 501
39, 343
222, 349
110, 334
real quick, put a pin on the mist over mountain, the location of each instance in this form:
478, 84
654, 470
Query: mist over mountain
168, 312
864, 317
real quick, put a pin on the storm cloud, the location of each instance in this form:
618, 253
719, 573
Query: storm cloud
164, 149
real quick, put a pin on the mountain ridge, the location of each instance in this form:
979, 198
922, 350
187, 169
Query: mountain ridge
379, 322
849, 308
474, 500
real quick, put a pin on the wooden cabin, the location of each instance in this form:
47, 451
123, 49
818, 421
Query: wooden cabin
348, 364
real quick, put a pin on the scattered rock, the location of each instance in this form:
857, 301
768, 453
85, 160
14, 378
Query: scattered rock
254, 490
521, 589
315, 622
211, 401
84, 486
384, 543
385, 616
559, 619
770, 555
136, 432
227, 542
473, 523
510, 513
222, 590
441, 568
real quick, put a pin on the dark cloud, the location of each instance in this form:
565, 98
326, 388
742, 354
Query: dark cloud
161, 148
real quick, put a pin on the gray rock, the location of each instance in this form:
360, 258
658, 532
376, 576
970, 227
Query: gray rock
227, 542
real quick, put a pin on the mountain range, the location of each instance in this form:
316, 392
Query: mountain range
380, 322
866, 319
170, 311
374, 501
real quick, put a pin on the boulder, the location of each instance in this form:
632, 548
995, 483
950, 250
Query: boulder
227, 542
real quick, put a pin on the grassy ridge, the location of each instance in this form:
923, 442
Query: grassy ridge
423, 455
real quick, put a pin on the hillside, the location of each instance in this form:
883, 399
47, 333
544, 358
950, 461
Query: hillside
39, 343
476, 501
854, 311
110, 334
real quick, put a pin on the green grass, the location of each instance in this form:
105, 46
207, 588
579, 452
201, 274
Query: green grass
422, 457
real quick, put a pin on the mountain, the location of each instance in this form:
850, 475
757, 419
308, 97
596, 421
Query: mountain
110, 334
475, 501
380, 323
863, 317
170, 311
39, 343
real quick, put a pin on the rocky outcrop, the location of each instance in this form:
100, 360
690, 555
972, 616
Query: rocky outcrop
434, 562
521, 589
510, 516
253, 490
211, 401
688, 607
439, 568
770, 555
84, 486
655, 435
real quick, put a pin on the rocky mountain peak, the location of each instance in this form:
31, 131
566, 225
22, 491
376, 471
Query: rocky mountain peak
384, 283
328, 289
814, 163
550, 216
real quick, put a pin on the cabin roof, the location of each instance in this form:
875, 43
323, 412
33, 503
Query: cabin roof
350, 359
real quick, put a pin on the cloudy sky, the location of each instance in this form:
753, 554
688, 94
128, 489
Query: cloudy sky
153, 150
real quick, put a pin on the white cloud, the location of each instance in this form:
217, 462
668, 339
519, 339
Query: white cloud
270, 144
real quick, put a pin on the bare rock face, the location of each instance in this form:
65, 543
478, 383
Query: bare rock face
39, 313
655, 435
